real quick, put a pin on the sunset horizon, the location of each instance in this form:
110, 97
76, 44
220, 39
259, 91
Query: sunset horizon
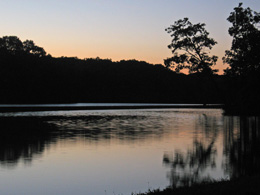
116, 30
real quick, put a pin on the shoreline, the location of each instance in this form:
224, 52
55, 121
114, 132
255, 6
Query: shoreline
112, 106
242, 186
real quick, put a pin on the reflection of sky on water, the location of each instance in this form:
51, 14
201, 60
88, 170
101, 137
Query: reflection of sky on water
119, 151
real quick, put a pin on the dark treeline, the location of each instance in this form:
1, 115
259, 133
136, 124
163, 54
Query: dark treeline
31, 76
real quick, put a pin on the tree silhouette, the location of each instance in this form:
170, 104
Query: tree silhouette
30, 48
244, 60
11, 44
243, 57
190, 47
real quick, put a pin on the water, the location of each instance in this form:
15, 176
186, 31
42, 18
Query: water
94, 105
123, 151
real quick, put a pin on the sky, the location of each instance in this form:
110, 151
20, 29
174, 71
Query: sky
114, 29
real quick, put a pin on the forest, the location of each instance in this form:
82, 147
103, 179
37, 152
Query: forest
32, 78
29, 75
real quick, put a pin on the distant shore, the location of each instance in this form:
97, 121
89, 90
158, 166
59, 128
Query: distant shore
98, 106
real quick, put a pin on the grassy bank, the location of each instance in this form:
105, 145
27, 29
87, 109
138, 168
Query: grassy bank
245, 186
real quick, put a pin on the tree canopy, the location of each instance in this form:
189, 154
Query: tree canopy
190, 47
243, 57
13, 45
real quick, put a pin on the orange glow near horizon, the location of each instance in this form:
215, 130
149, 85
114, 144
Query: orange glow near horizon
119, 51
115, 30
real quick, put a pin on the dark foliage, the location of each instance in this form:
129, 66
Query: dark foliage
243, 57
244, 61
190, 47
28, 75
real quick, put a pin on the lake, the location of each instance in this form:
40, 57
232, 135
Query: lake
123, 151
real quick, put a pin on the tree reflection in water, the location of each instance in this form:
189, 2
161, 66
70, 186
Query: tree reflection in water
241, 142
242, 146
25, 138
187, 169
22, 138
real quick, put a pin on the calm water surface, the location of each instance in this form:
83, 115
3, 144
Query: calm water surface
123, 151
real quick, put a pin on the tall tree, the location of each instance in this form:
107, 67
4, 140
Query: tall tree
243, 57
190, 47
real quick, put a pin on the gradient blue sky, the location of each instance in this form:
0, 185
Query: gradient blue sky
115, 29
